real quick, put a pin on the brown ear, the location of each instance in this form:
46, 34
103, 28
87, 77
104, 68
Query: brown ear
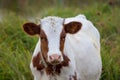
72, 27
31, 28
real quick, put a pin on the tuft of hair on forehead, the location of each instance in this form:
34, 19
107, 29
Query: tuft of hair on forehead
53, 17
53, 22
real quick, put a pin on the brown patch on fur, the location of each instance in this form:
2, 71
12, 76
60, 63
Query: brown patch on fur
66, 61
31, 28
72, 27
51, 71
44, 44
62, 40
36, 62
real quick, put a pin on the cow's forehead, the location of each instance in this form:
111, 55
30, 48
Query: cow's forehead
52, 25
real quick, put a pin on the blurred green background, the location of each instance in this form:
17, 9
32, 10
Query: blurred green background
16, 47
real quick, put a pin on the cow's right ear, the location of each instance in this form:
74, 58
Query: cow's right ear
72, 27
31, 28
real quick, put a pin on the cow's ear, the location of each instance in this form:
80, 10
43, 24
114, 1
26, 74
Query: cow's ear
31, 28
72, 27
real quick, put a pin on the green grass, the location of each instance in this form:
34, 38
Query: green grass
16, 47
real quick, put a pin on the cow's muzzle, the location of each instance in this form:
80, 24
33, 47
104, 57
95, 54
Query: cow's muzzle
55, 59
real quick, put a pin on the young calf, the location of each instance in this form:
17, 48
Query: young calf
68, 49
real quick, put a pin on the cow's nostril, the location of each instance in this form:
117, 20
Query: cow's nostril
59, 57
50, 57
55, 57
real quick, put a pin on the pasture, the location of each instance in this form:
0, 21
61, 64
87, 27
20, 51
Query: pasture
16, 47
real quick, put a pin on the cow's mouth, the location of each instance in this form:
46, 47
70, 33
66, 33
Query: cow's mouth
55, 62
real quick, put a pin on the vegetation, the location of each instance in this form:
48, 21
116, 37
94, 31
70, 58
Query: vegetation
16, 47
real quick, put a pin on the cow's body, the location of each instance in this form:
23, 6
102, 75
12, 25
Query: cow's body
83, 51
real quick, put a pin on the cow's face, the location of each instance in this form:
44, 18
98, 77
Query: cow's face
52, 32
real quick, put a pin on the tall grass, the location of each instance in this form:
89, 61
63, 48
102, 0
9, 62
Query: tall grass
16, 47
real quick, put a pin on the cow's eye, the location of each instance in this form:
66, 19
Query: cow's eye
44, 38
63, 38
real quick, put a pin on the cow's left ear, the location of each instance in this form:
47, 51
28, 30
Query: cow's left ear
72, 27
31, 28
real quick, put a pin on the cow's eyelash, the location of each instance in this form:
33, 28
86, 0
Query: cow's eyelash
43, 38
63, 37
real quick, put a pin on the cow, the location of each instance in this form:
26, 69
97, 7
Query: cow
67, 49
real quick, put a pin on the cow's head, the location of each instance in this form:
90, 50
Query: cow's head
52, 32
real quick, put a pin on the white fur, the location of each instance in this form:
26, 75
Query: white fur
82, 48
